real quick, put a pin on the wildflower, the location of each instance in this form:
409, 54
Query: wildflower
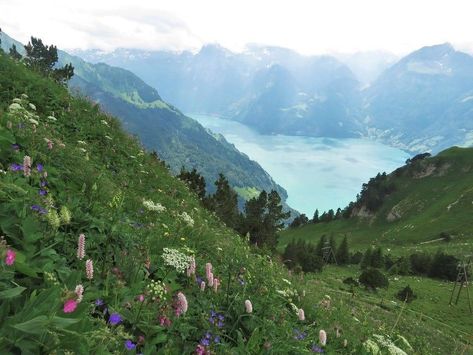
216, 284
79, 292
317, 349
211, 280
301, 314
140, 298
99, 302
32, 106
39, 209
345, 343
49, 143
208, 270
115, 319
181, 303
151, 206
14, 106
52, 118
53, 219
15, 147
323, 337
164, 321
89, 269
65, 215
16, 167
191, 268
10, 257
33, 121
248, 306
81, 247
186, 218
176, 259
43, 192
200, 350
129, 345
202, 286
27, 166
70, 306
299, 335
39, 167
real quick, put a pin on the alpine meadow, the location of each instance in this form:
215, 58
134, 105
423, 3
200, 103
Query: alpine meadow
236, 178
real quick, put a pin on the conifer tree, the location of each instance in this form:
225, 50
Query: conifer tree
319, 249
333, 247
315, 219
13, 52
366, 261
194, 180
343, 253
377, 259
225, 202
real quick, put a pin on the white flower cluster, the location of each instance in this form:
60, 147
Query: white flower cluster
186, 218
156, 289
176, 259
386, 343
19, 110
151, 206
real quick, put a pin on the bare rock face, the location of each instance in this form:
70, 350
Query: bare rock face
394, 214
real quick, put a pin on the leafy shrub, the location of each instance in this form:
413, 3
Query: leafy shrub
444, 266
373, 278
406, 294
420, 263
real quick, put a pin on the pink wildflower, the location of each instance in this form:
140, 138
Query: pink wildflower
202, 286
181, 304
208, 270
50, 144
10, 257
200, 350
79, 292
70, 306
140, 298
210, 279
191, 268
164, 321
248, 306
81, 247
322, 337
89, 269
301, 314
216, 284
27, 166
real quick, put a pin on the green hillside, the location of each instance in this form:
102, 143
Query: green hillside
433, 198
67, 169
178, 139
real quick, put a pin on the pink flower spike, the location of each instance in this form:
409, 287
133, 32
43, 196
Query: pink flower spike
210, 279
140, 298
10, 257
89, 269
202, 286
208, 270
301, 314
81, 247
27, 166
79, 291
70, 306
216, 284
248, 306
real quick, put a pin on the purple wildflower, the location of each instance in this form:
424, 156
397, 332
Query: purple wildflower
16, 167
130, 345
39, 167
43, 192
217, 339
15, 147
39, 209
43, 183
299, 335
317, 349
115, 319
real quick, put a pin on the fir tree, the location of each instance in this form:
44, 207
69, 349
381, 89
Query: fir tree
377, 260
13, 52
366, 261
319, 249
315, 219
343, 253
225, 202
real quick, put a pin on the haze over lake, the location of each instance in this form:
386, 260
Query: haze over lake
318, 173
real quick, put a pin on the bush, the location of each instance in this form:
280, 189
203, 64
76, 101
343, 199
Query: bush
351, 282
406, 294
444, 266
401, 267
355, 258
420, 263
373, 278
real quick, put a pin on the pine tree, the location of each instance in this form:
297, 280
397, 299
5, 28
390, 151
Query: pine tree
194, 180
13, 52
377, 260
225, 202
319, 249
343, 253
366, 261
333, 251
315, 219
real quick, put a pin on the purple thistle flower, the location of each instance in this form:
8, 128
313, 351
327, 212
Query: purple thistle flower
130, 345
115, 319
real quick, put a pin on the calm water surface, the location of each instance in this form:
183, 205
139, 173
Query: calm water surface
318, 173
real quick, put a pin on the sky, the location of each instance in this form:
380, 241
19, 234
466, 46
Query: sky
307, 26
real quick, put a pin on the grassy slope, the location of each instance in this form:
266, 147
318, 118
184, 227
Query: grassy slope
423, 206
103, 187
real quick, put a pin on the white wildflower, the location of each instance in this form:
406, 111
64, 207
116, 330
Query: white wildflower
33, 121
14, 107
52, 118
176, 259
151, 206
186, 218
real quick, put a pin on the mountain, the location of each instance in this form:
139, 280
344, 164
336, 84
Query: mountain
272, 89
97, 236
418, 203
367, 66
424, 102
178, 139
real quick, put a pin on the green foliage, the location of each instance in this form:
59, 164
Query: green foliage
194, 180
300, 220
301, 254
343, 253
373, 278
43, 59
13, 52
444, 266
406, 294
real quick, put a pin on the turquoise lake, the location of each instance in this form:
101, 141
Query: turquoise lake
320, 173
